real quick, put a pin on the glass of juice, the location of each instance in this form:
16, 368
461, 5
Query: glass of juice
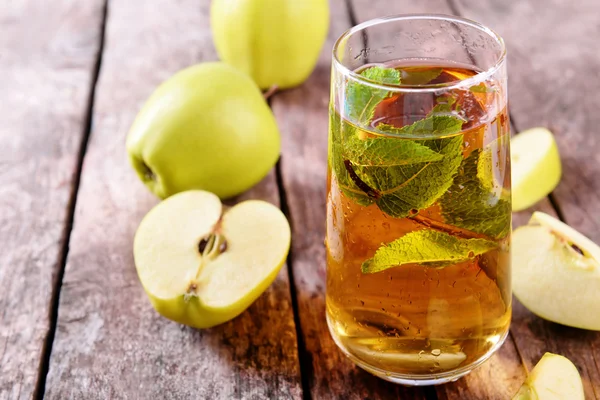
418, 199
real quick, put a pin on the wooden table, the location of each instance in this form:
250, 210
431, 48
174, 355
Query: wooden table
74, 320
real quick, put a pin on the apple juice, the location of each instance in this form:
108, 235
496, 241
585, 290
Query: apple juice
418, 220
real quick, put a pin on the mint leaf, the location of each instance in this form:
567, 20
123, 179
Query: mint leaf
361, 100
414, 185
426, 247
383, 151
388, 76
445, 104
399, 175
482, 88
433, 125
419, 76
470, 203
338, 160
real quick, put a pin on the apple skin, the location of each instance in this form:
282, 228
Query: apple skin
193, 312
275, 42
207, 127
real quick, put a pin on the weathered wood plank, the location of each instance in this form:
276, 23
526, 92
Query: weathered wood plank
302, 114
47, 62
500, 377
110, 343
551, 84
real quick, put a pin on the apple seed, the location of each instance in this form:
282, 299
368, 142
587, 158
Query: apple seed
577, 249
202, 245
212, 245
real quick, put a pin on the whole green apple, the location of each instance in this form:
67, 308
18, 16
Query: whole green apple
207, 127
275, 42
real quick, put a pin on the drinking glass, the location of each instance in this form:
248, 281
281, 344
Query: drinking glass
418, 199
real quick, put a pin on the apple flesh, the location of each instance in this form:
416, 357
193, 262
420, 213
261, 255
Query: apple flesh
274, 42
207, 127
553, 378
556, 272
201, 265
536, 167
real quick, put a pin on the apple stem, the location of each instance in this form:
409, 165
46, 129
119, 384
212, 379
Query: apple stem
270, 92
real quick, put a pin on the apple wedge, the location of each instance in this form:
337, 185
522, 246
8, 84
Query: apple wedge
556, 272
202, 265
553, 378
536, 167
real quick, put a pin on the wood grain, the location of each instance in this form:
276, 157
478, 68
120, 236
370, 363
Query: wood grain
554, 83
110, 343
302, 114
48, 52
501, 376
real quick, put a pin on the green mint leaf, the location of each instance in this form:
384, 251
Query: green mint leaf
400, 175
384, 151
361, 99
426, 247
433, 125
473, 203
419, 76
445, 105
482, 88
388, 76
414, 186
337, 160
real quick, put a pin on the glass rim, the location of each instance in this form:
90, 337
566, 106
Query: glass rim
479, 77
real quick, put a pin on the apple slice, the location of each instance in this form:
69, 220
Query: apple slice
536, 167
553, 378
556, 272
201, 265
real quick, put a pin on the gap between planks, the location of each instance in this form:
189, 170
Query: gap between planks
303, 355
57, 285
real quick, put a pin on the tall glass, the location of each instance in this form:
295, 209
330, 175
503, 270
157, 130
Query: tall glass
418, 200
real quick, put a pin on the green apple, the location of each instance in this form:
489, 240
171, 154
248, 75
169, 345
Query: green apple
553, 378
556, 272
207, 127
275, 42
536, 167
201, 265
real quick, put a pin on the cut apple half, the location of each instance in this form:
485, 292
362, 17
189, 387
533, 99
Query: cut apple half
202, 265
556, 272
535, 165
553, 378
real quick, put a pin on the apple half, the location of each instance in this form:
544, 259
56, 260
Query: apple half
556, 272
535, 165
202, 265
553, 378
